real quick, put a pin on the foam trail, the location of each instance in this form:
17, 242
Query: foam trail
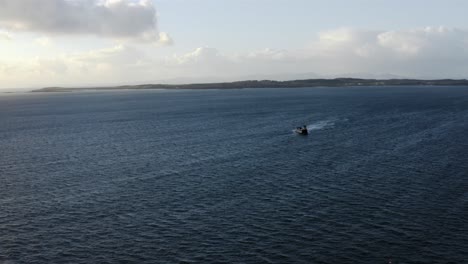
321, 125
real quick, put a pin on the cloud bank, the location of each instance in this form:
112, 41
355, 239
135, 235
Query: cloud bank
427, 53
122, 19
430, 52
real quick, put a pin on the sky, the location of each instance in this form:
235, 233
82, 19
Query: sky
77, 43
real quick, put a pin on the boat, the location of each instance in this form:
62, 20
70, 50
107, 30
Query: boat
302, 130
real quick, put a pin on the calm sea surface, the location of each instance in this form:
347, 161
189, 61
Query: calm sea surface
218, 176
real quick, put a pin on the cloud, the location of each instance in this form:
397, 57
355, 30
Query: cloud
121, 19
403, 43
119, 54
165, 39
5, 36
43, 41
52, 66
268, 54
430, 52
429, 41
114, 65
202, 55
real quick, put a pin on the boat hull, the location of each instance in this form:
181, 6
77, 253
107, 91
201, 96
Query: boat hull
301, 132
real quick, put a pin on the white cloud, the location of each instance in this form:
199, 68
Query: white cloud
118, 64
268, 54
404, 43
165, 39
43, 41
52, 66
432, 52
121, 19
119, 54
337, 36
203, 55
412, 43
5, 36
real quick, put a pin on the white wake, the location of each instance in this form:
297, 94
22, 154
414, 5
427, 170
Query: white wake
323, 124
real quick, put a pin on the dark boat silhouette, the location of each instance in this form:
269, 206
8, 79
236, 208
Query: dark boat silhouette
302, 130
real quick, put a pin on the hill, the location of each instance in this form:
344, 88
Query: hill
338, 82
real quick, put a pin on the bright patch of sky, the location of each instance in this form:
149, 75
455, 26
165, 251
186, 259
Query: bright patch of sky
107, 42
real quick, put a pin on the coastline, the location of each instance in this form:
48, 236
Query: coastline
307, 83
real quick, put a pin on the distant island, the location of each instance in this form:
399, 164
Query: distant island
338, 82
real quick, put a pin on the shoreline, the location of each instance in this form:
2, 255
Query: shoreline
308, 83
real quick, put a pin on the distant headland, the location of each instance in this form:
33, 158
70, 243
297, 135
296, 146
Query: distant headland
338, 82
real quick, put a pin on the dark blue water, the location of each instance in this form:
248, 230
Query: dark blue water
219, 176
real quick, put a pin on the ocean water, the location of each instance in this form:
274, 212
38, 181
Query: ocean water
218, 176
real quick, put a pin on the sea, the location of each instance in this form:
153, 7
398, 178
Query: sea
219, 176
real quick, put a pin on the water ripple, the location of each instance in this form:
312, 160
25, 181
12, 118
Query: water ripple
217, 177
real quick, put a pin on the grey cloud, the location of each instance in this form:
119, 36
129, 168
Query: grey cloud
104, 18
